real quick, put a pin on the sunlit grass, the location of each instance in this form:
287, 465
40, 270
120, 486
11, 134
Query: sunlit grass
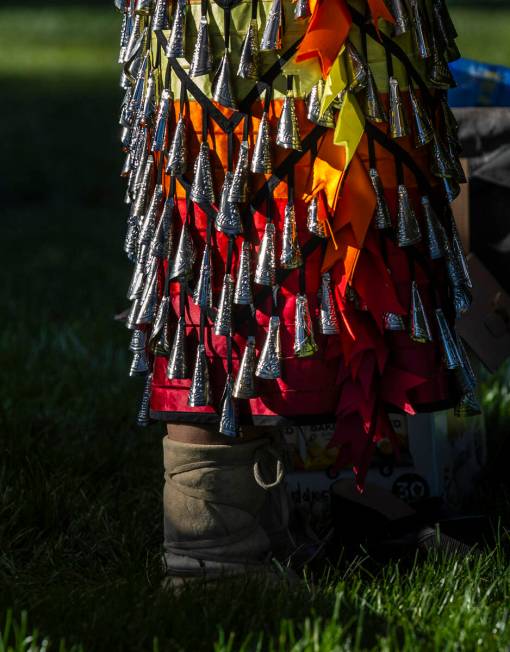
483, 33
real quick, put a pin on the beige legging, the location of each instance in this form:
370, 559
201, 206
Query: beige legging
208, 434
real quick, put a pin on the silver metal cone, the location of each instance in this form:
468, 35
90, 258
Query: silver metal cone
382, 217
142, 190
393, 322
408, 229
261, 159
177, 153
302, 9
269, 364
184, 259
265, 272
149, 302
290, 257
229, 420
143, 7
459, 254
287, 134
160, 16
202, 189
466, 363
398, 120
200, 390
148, 224
149, 101
126, 167
438, 71
133, 314
222, 89
202, 61
462, 300
304, 340
450, 351
139, 364
135, 290
453, 269
451, 189
124, 36
135, 41
223, 321
161, 344
271, 37
161, 319
434, 231
313, 223
422, 126
453, 148
328, 322
138, 341
202, 295
419, 329
243, 295
245, 384
356, 68
250, 55
314, 107
130, 242
399, 10
468, 406
228, 217
160, 244
143, 418
372, 106
177, 368
440, 165
420, 30
238, 191
158, 141
175, 47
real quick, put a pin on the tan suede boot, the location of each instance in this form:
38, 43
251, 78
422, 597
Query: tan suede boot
213, 499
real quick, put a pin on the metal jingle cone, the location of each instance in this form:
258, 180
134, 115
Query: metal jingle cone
422, 126
399, 11
143, 418
442, 35
138, 341
356, 69
420, 30
139, 364
223, 321
261, 159
434, 231
462, 300
177, 368
161, 318
302, 9
149, 102
304, 340
468, 406
161, 343
222, 89
160, 16
149, 302
313, 223
249, 61
393, 322
141, 191
200, 390
371, 100
269, 363
440, 165
229, 419
184, 259
327, 119
290, 257
438, 71
382, 218
158, 141
202, 60
177, 153
202, 189
265, 272
398, 120
459, 253
228, 217
466, 362
245, 384
175, 47
450, 351
202, 296
453, 269
408, 229
162, 235
243, 294
143, 7
328, 322
453, 147
451, 189
133, 314
135, 290
287, 134
419, 329
130, 242
238, 191
271, 37
124, 36
148, 227
135, 40
126, 166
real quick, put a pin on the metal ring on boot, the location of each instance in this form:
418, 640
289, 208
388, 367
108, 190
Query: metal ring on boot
280, 470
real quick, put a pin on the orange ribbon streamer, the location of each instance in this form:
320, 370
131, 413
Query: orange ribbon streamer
327, 31
379, 10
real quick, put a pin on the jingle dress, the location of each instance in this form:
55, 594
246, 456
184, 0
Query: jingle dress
290, 169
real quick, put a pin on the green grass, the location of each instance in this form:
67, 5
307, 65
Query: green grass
483, 33
80, 486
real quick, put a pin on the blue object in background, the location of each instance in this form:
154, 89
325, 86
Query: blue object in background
479, 84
